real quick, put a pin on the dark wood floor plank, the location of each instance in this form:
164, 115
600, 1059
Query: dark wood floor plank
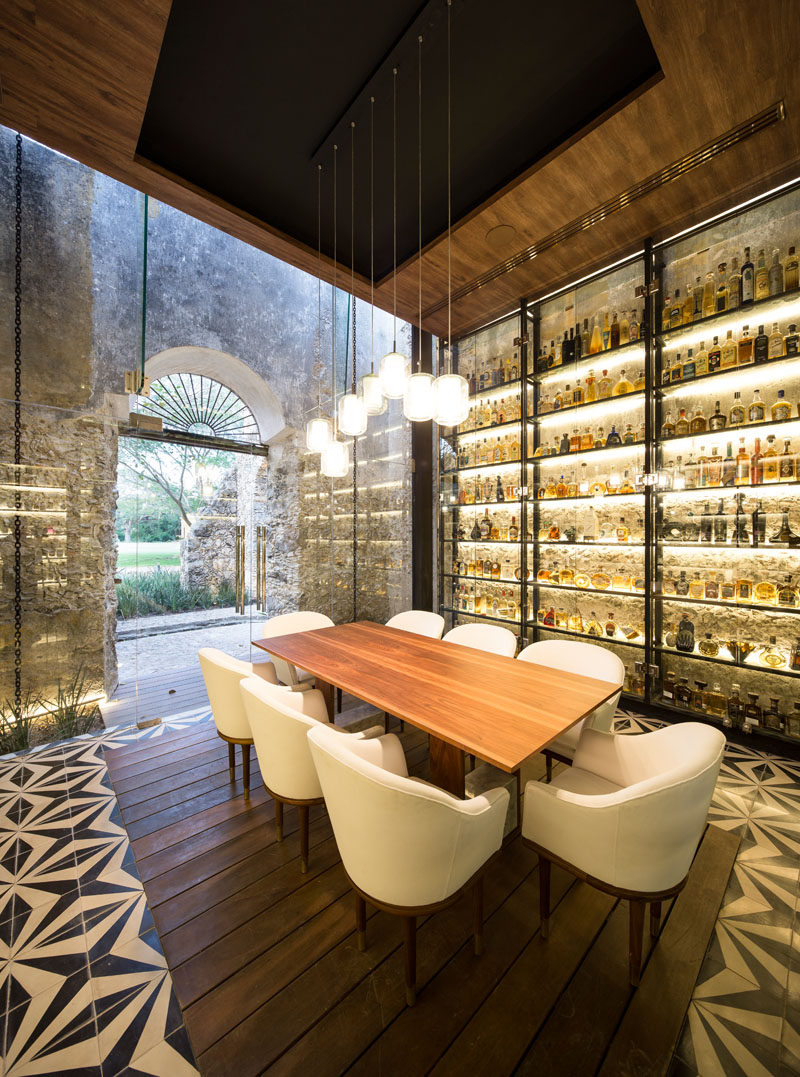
196, 769
188, 795
499, 1033
136, 765
373, 1022
644, 1045
178, 812
158, 748
172, 768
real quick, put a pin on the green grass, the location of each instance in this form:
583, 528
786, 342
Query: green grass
151, 554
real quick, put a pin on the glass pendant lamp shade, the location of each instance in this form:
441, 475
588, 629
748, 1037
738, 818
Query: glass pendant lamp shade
352, 415
369, 386
335, 459
452, 399
394, 375
419, 401
318, 433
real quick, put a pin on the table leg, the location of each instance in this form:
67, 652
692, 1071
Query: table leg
447, 766
327, 692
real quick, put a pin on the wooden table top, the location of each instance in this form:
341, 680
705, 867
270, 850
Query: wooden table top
498, 709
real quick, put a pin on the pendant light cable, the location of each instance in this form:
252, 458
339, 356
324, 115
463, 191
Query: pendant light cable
353, 248
394, 201
18, 426
333, 295
449, 197
419, 186
372, 235
319, 289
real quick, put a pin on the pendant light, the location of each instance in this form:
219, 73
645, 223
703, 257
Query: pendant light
370, 384
394, 369
334, 461
419, 401
352, 412
452, 391
319, 429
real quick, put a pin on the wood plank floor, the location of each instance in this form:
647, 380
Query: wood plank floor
157, 696
266, 968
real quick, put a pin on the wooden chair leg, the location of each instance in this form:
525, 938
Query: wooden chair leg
279, 820
635, 939
477, 915
302, 810
246, 769
361, 922
544, 897
232, 760
549, 764
410, 932
338, 701
655, 918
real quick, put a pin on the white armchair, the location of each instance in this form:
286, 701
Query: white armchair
407, 847
284, 625
591, 660
421, 622
492, 638
626, 817
222, 674
279, 719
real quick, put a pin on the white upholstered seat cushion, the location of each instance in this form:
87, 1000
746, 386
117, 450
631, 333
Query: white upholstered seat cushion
402, 841
642, 834
421, 622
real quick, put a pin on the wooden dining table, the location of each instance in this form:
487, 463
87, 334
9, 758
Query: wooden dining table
498, 709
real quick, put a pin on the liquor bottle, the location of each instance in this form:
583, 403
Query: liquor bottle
563, 446
769, 461
756, 468
736, 415
775, 343
729, 466
682, 585
727, 588
668, 426
776, 274
591, 388
701, 361
604, 387
744, 590
720, 525
494, 534
756, 411
606, 332
721, 300
773, 655
610, 627
587, 439
682, 424
762, 276
613, 437
717, 421
684, 639
582, 580
566, 576
683, 693
623, 386
593, 626
794, 661
759, 523
615, 332
698, 424
745, 347
549, 617
716, 703
688, 371
676, 310
596, 342
761, 346
485, 526
586, 338
707, 647
765, 593
574, 440
500, 492
752, 711
773, 719
633, 327
575, 622
714, 468
735, 707
734, 285
697, 587
676, 369
708, 296
785, 534
578, 393
790, 274
748, 279
791, 342
621, 531
561, 488
687, 308
698, 702
714, 357
729, 355
626, 486
787, 464
629, 437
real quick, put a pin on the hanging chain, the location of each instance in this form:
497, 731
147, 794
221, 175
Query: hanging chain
18, 427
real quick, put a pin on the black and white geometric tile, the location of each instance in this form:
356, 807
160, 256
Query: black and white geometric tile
84, 987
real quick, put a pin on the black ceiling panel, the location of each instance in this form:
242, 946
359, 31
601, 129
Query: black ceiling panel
249, 96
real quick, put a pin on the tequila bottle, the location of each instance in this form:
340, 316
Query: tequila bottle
787, 464
729, 354
762, 276
773, 655
775, 342
769, 461
621, 531
701, 361
748, 279
717, 421
791, 342
591, 387
623, 386
697, 587
613, 437
698, 424
744, 590
684, 638
604, 387
761, 346
714, 357
722, 288
765, 593
668, 426
682, 584
745, 354
735, 707
788, 595
716, 703
708, 296
781, 410
790, 274
727, 588
712, 586
776, 274
756, 412
734, 285
682, 424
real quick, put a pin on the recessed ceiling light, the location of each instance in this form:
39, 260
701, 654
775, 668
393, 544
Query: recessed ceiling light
500, 236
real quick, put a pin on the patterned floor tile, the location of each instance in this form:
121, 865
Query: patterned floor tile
173, 1056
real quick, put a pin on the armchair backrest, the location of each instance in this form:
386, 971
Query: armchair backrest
590, 659
222, 674
422, 622
279, 721
402, 841
284, 625
667, 780
491, 638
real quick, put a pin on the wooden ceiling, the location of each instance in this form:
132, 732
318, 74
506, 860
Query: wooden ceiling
76, 76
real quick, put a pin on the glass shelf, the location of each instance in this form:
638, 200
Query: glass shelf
483, 542
690, 712
610, 403
481, 616
785, 306
729, 547
622, 450
623, 353
586, 590
588, 497
599, 545
729, 605
479, 505
722, 491
586, 636
497, 389
481, 431
732, 432
744, 373
506, 465
480, 579
754, 667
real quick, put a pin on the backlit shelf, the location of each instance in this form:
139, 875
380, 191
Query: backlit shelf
481, 616
611, 451
732, 605
465, 578
733, 433
607, 406
585, 635
775, 308
750, 666
589, 497
748, 374
612, 358
586, 590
